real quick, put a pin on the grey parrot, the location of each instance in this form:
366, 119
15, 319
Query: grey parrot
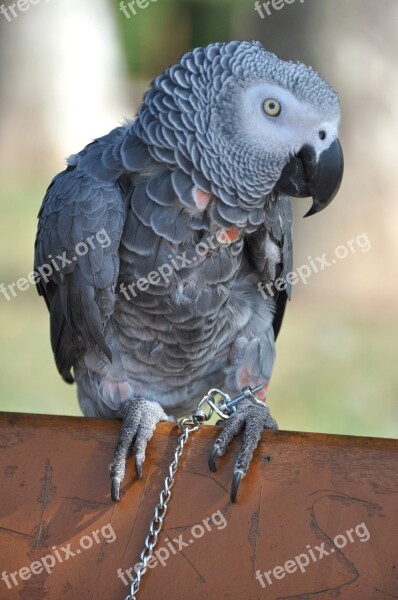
161, 235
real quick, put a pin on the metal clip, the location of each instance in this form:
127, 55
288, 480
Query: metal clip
215, 406
248, 393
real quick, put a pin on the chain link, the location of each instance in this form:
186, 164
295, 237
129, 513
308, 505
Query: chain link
187, 426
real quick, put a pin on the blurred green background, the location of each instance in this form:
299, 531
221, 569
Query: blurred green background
71, 71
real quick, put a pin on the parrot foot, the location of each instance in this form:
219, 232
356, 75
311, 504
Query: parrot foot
253, 420
140, 418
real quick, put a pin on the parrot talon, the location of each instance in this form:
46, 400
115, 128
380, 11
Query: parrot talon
214, 454
235, 485
252, 419
138, 468
115, 490
140, 418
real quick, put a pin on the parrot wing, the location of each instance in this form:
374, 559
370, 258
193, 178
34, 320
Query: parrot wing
76, 251
270, 252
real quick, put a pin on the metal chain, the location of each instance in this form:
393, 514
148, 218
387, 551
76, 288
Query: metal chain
224, 408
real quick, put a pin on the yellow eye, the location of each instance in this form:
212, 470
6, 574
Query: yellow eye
272, 107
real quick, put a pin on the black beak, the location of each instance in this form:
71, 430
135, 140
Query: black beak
305, 176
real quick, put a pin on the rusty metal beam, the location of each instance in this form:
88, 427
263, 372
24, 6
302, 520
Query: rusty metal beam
329, 501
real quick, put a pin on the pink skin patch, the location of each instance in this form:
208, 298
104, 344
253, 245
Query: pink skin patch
232, 233
201, 198
115, 392
246, 379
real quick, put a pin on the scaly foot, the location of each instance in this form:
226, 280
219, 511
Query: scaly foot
140, 418
253, 419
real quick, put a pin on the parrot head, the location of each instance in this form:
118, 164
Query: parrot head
293, 119
245, 126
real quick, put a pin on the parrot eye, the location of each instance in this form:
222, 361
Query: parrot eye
272, 107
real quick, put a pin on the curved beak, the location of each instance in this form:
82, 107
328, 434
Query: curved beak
305, 175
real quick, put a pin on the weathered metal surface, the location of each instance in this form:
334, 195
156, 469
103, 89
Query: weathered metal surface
55, 505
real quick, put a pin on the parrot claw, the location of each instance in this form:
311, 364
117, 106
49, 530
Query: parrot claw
138, 468
235, 485
140, 418
212, 459
252, 419
115, 490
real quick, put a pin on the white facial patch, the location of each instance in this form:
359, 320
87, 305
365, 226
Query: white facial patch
298, 123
